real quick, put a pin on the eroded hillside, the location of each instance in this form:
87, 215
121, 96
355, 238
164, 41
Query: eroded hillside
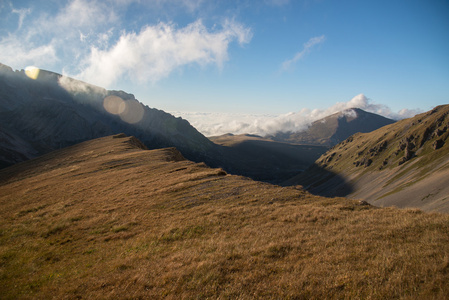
109, 219
404, 164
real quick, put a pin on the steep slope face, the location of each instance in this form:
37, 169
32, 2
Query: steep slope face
404, 164
335, 128
51, 111
108, 219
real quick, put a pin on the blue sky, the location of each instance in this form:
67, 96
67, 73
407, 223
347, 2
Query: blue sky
242, 57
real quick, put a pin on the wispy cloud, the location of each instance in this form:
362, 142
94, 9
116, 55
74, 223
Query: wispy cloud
44, 40
14, 52
22, 14
286, 65
211, 124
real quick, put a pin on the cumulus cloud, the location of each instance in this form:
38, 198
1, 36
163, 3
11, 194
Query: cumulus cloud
157, 50
362, 102
286, 65
212, 124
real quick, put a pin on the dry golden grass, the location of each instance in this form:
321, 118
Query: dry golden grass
106, 219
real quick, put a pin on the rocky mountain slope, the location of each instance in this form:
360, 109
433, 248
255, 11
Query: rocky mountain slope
108, 219
335, 128
405, 164
50, 111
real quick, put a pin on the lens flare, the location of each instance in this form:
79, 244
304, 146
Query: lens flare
32, 72
133, 112
130, 111
114, 105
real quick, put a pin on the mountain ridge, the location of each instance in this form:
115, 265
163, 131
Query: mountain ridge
53, 111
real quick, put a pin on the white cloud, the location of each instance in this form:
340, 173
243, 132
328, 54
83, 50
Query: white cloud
286, 65
83, 14
88, 39
14, 53
212, 124
157, 50
45, 40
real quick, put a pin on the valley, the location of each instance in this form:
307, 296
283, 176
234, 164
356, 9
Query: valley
53, 111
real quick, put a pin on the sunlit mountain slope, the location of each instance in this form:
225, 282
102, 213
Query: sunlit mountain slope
404, 164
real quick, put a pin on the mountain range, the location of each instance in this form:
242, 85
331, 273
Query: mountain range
48, 111
399, 163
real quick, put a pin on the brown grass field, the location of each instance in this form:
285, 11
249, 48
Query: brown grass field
106, 219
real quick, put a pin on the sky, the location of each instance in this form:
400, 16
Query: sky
242, 66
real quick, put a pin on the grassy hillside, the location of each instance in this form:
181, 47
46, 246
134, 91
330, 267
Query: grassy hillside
404, 164
108, 219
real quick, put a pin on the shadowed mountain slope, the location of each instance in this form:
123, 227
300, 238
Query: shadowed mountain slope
335, 128
405, 164
52, 111
108, 219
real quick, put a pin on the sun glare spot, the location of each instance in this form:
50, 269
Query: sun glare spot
114, 105
133, 112
32, 72
130, 111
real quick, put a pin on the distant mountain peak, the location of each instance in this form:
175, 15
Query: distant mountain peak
336, 127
